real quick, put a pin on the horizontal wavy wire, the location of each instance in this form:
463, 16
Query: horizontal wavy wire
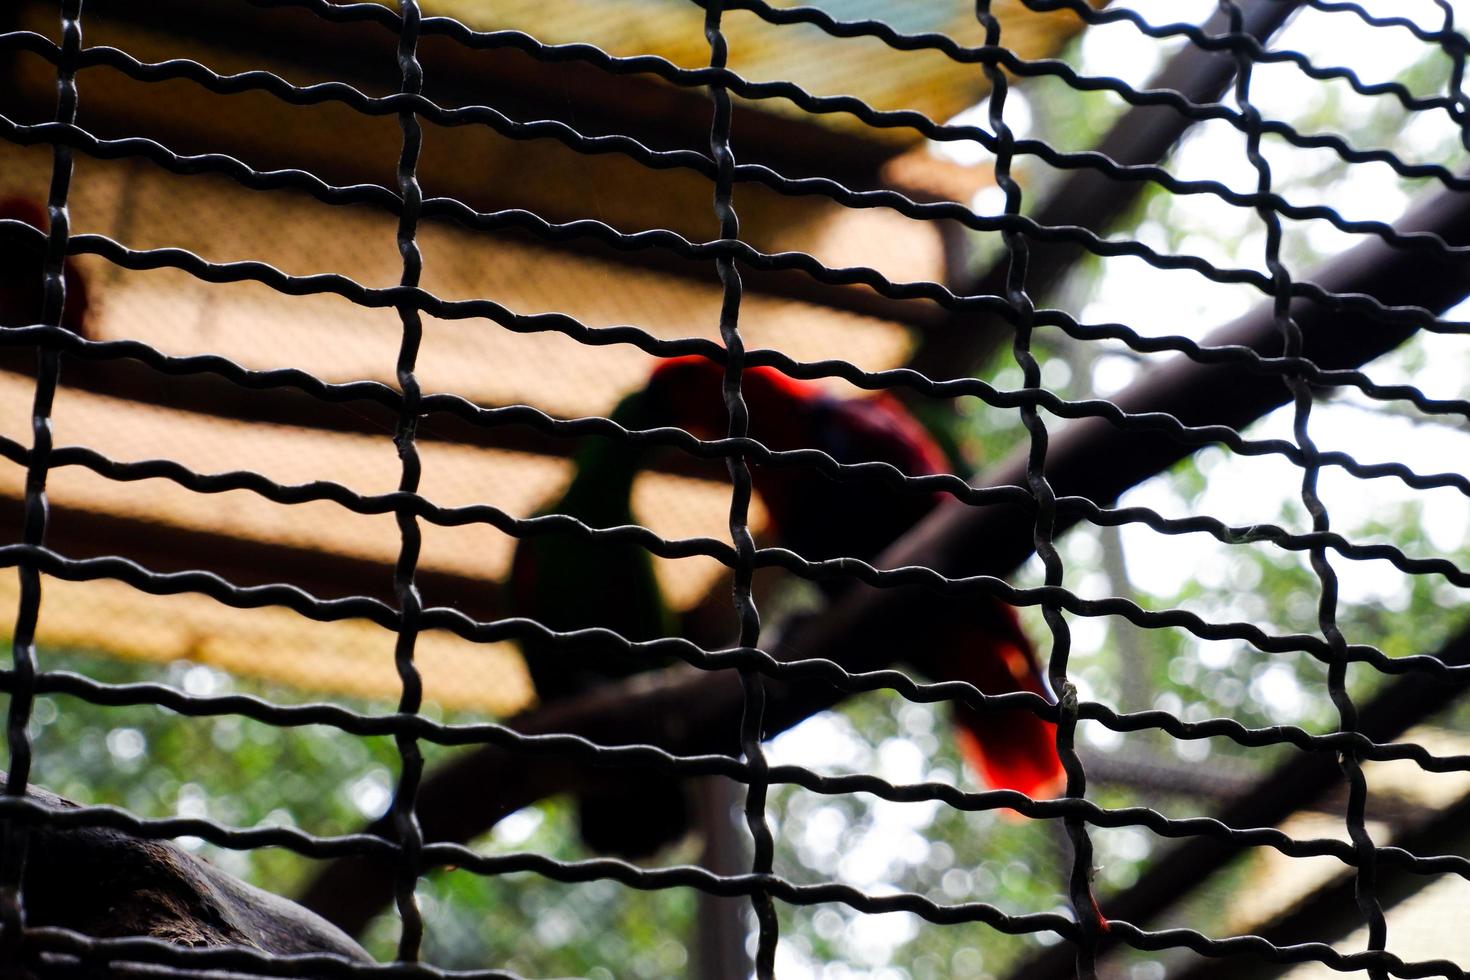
857, 108
348, 95
61, 947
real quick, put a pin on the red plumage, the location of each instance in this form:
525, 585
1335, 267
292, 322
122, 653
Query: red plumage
1009, 749
820, 518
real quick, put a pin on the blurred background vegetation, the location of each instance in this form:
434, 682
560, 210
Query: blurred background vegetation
244, 773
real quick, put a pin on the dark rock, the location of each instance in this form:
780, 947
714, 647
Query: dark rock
108, 884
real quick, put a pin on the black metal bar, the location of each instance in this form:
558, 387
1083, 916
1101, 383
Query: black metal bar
1358, 308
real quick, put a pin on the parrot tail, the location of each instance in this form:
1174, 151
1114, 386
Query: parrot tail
1011, 749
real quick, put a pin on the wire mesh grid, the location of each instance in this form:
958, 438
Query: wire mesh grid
1311, 337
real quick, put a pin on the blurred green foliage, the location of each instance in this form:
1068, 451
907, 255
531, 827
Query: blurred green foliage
243, 773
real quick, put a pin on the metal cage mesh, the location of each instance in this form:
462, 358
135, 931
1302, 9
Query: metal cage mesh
1311, 336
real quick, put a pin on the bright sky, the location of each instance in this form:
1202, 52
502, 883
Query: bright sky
1241, 490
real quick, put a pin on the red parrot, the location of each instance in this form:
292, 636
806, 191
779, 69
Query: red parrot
23, 270
819, 518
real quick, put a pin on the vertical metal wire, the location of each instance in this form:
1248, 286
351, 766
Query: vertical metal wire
752, 684
1018, 253
409, 616
1301, 393
410, 605
48, 378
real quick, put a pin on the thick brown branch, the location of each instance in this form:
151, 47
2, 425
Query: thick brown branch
685, 711
1091, 199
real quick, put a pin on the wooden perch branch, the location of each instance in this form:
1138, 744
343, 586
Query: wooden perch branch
1091, 199
688, 712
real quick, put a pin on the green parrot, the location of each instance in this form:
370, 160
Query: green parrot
567, 582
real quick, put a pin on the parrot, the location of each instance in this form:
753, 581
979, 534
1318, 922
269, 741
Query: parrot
820, 519
569, 583
22, 273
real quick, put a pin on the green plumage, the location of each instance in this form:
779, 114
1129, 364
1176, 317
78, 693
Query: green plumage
566, 582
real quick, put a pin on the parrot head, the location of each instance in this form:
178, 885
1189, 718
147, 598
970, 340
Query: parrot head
689, 392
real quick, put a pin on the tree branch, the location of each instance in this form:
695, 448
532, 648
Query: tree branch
690, 712
1091, 199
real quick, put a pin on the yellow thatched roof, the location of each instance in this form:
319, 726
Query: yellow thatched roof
338, 341
323, 546
884, 77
